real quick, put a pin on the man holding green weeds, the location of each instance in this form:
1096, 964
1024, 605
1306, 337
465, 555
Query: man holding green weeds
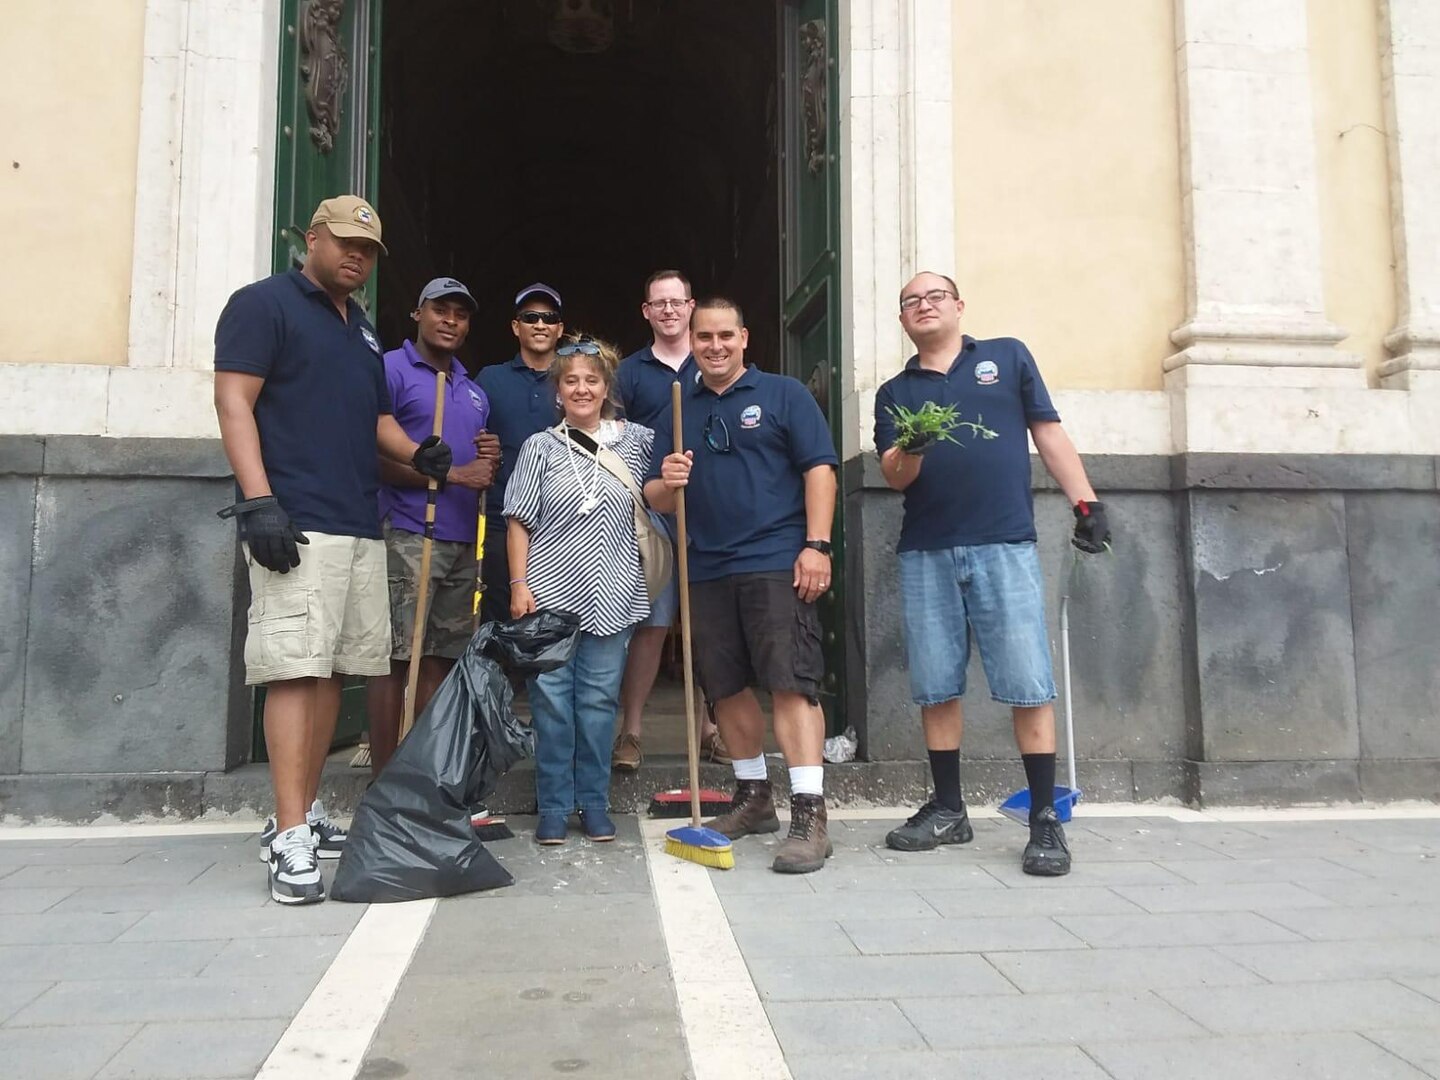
951, 430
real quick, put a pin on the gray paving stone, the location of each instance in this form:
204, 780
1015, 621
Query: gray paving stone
984, 903
1391, 867
1237, 871
60, 1053
1032, 1019
1419, 1048
937, 871
1307, 1057
147, 898
891, 904
848, 978
1018, 1063
1192, 928
55, 928
110, 960
768, 883
197, 1050
83, 854
134, 872
1315, 960
1164, 899
1373, 893
1120, 969
144, 1000
794, 937
1332, 1005
1083, 873
271, 921
1429, 985
306, 957
805, 1027
1352, 924
30, 901
878, 937
1138, 847
15, 994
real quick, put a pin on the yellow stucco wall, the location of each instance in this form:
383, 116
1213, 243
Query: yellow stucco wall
1068, 218
1358, 252
69, 128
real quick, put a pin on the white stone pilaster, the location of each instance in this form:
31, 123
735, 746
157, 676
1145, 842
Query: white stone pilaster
1410, 67
1249, 188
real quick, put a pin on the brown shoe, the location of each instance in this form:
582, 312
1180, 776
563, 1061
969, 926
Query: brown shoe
712, 748
808, 845
626, 757
752, 810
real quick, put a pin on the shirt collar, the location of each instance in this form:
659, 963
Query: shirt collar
519, 364
749, 377
647, 354
967, 344
457, 369
309, 288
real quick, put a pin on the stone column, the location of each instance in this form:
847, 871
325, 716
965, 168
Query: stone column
1410, 58
1255, 308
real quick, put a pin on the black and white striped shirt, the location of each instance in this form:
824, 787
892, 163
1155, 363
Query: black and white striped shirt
588, 564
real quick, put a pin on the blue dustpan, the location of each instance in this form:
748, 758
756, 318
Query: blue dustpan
1017, 806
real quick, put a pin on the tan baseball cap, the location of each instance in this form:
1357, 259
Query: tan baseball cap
349, 215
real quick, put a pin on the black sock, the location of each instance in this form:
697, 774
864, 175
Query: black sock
945, 768
1040, 775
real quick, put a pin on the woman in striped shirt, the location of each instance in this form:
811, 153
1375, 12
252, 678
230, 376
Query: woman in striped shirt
571, 541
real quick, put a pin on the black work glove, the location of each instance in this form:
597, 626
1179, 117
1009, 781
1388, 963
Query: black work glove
1092, 527
272, 537
433, 459
920, 444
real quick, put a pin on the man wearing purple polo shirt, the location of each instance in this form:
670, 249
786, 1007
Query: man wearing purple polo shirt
442, 318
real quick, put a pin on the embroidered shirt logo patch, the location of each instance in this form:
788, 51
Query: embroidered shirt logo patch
750, 416
370, 338
986, 373
477, 401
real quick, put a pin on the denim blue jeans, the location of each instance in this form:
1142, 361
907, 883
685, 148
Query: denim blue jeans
995, 591
573, 712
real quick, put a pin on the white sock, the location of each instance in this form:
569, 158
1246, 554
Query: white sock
750, 768
807, 779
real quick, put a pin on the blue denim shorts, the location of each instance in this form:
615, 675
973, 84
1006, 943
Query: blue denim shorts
995, 591
665, 608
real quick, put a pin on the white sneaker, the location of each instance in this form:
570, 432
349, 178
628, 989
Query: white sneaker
294, 871
329, 837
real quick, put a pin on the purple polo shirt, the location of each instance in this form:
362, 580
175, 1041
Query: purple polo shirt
412, 391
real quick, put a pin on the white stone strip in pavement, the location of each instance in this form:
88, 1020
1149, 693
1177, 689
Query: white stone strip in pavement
328, 1038
726, 1028
123, 832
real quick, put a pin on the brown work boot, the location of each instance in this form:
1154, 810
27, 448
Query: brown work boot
626, 757
808, 845
752, 810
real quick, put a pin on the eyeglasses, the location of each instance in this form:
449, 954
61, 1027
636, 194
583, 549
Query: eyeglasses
589, 348
665, 305
549, 318
934, 298
720, 445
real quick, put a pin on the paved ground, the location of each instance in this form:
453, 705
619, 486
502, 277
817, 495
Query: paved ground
1262, 947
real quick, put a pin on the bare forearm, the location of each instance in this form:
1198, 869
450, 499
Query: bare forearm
397, 475
1062, 461
241, 439
394, 443
900, 469
820, 489
660, 497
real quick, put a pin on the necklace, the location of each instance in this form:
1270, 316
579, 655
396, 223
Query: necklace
589, 492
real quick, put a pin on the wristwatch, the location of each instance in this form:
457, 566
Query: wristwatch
822, 546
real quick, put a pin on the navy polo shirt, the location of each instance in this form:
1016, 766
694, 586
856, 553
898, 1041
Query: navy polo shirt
745, 509
324, 393
522, 402
976, 491
643, 383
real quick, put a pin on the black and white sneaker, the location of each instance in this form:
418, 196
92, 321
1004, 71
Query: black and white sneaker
1047, 854
294, 871
932, 826
329, 837
267, 837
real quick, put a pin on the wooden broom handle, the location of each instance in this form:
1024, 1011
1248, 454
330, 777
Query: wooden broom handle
692, 739
422, 595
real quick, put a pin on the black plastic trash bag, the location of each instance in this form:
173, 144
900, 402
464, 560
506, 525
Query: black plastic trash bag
411, 837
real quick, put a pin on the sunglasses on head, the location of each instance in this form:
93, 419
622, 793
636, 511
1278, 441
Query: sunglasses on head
549, 318
589, 348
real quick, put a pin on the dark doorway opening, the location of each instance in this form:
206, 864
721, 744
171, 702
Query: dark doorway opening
584, 143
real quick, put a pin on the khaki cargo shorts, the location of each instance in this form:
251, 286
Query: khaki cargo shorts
451, 597
328, 616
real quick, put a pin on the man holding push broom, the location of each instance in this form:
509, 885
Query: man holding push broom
758, 471
442, 320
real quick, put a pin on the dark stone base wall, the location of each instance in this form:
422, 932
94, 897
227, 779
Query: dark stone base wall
1266, 630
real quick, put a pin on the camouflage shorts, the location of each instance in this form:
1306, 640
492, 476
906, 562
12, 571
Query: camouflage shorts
452, 591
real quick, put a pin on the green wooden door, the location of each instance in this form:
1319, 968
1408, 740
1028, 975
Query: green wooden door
810, 259
326, 145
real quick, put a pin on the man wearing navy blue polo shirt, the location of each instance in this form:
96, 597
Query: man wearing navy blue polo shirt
968, 562
522, 403
304, 410
759, 477
643, 381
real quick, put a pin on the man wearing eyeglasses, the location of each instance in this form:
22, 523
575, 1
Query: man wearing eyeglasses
522, 402
968, 560
643, 382
759, 477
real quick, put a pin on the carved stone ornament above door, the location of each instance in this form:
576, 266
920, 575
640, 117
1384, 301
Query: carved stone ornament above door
325, 68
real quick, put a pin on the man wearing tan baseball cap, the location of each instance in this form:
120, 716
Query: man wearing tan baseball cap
305, 410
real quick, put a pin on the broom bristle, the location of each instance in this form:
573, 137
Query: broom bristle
704, 846
361, 760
